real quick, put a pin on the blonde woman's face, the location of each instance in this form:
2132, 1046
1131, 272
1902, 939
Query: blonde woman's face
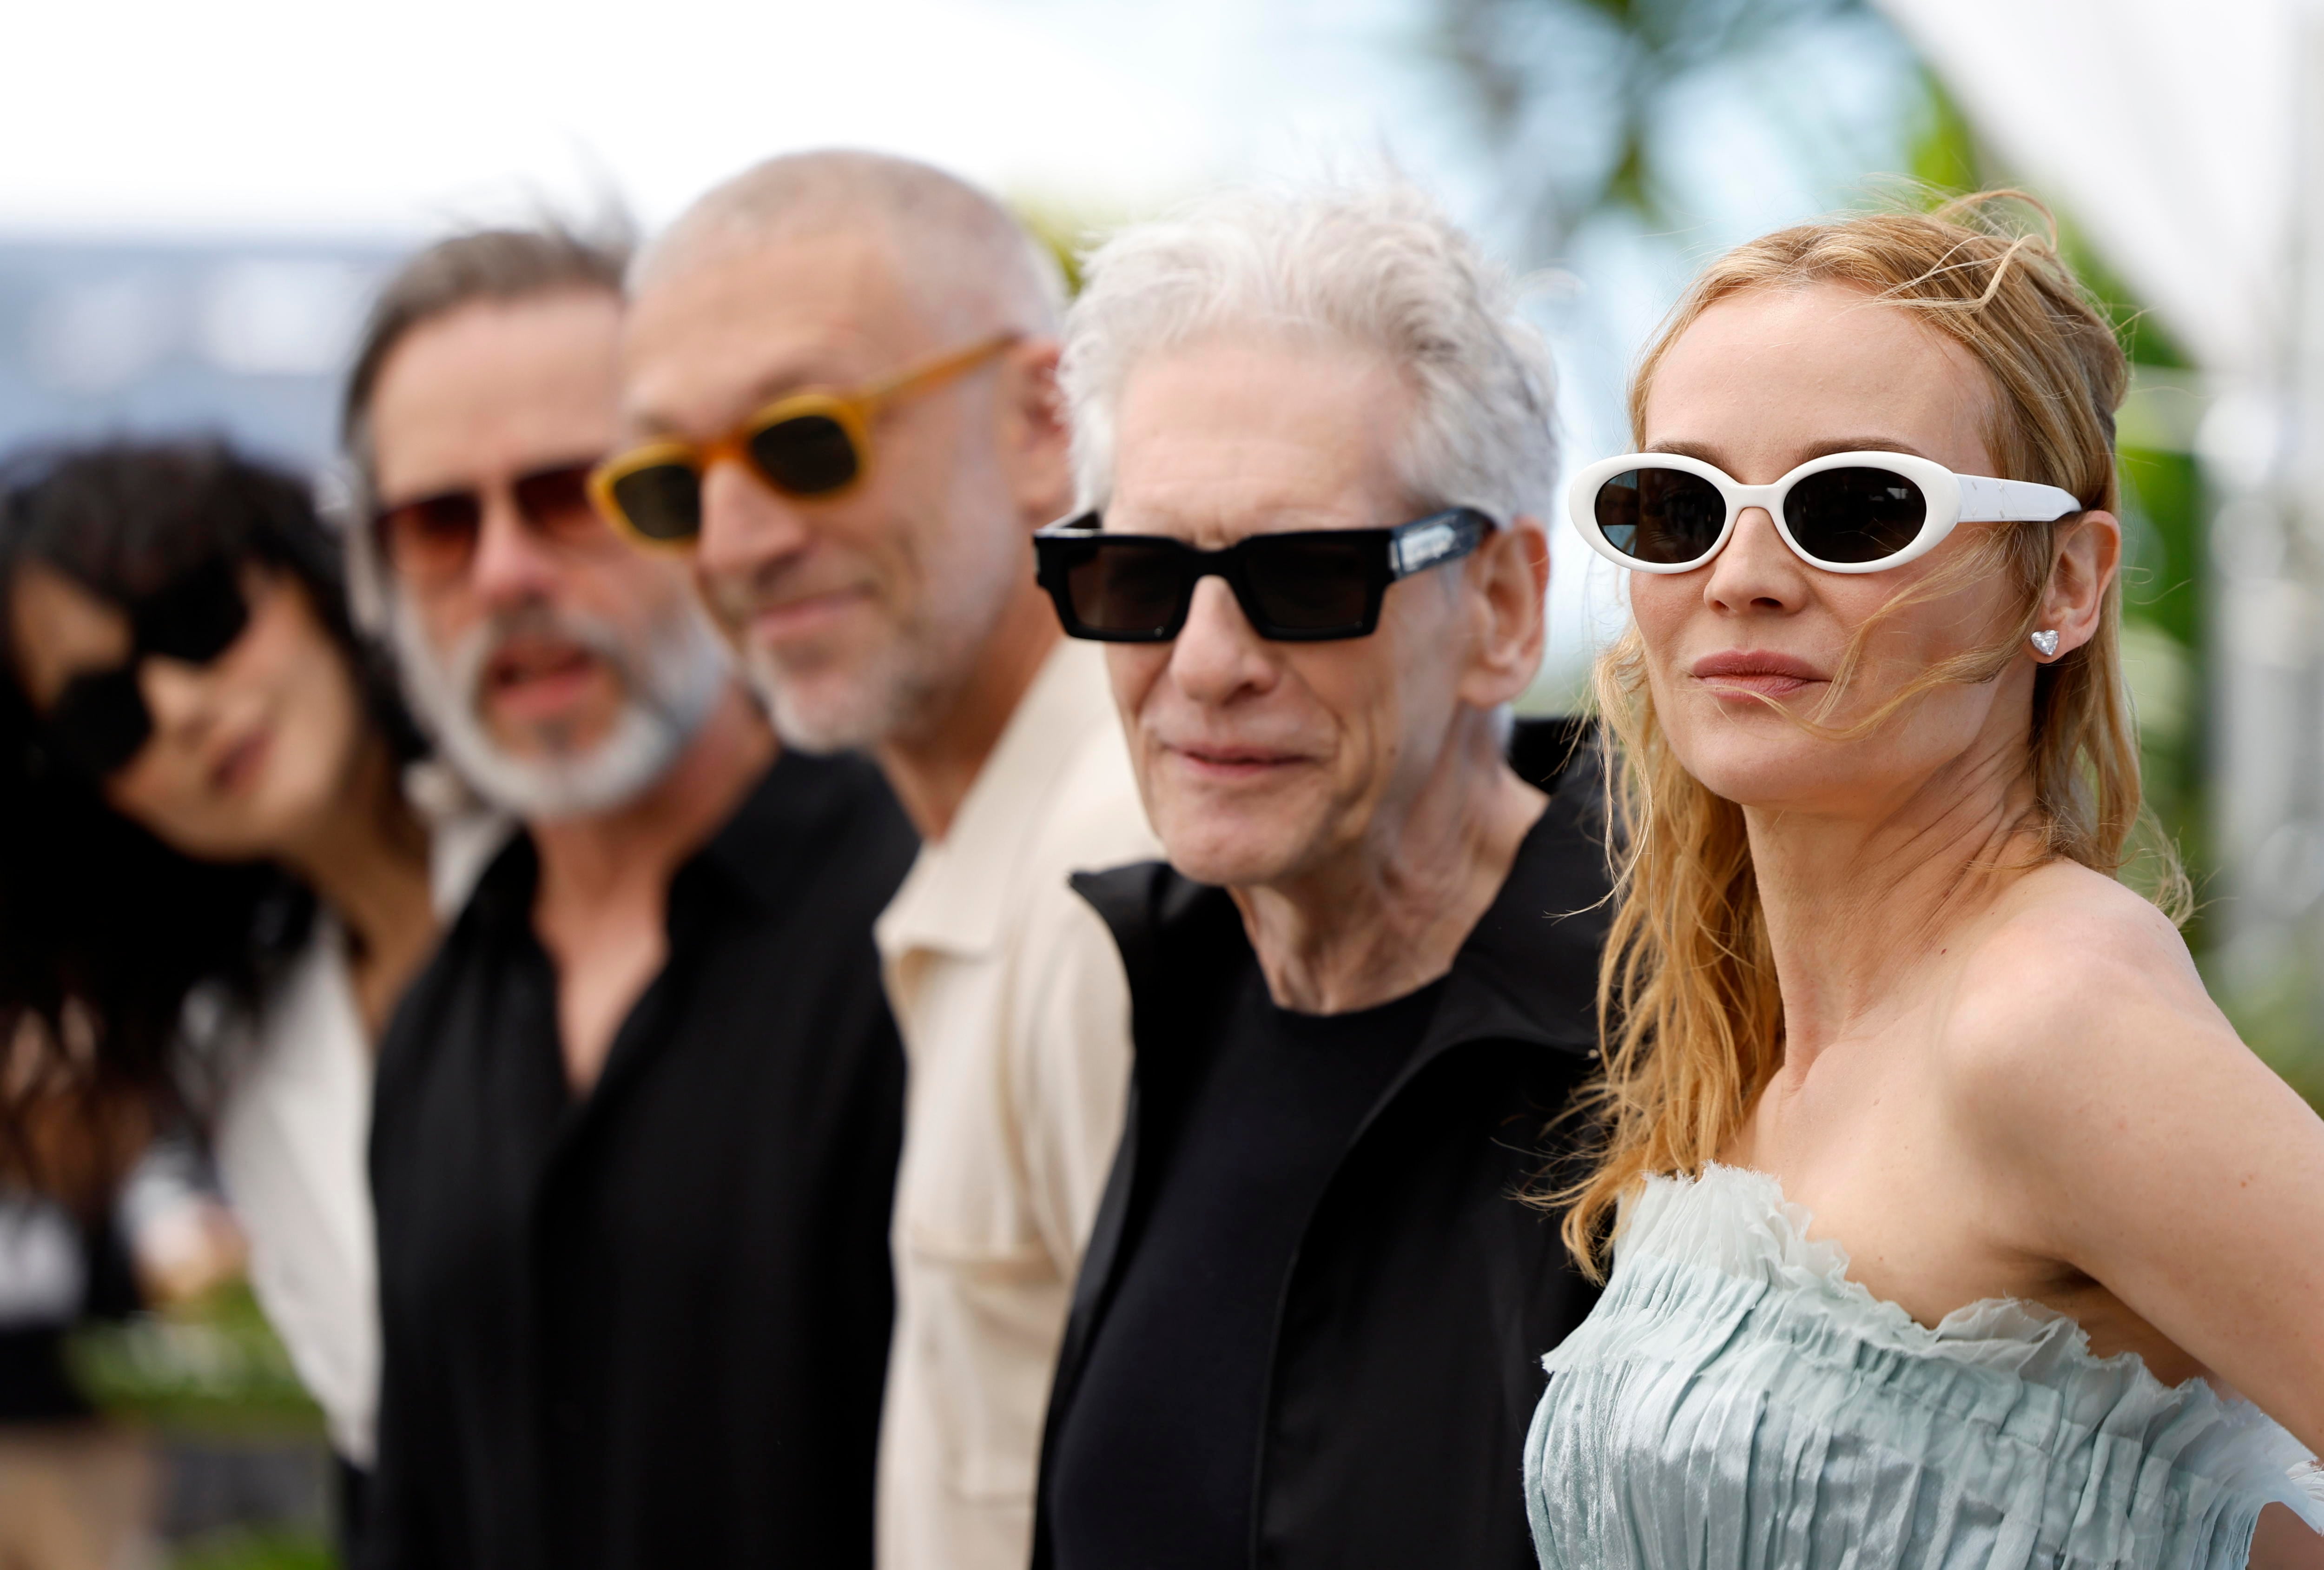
1758, 384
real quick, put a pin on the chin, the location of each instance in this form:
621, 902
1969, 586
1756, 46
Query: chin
1787, 770
1217, 848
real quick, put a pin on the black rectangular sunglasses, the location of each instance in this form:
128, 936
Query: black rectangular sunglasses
100, 723
1304, 586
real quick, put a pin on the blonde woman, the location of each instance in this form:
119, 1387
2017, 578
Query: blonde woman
1952, 1215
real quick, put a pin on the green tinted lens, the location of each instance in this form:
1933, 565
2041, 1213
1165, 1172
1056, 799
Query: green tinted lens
663, 502
807, 455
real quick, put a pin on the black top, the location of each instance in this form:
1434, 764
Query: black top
649, 1327
1403, 1349
1155, 1465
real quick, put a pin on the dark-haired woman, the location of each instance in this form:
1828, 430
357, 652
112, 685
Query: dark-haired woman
213, 887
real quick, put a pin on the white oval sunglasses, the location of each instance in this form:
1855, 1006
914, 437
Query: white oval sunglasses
1847, 512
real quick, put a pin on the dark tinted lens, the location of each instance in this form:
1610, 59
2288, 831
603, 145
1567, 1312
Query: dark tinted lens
662, 503
806, 454
433, 536
1312, 584
1664, 516
1855, 514
196, 618
1132, 586
557, 501
100, 722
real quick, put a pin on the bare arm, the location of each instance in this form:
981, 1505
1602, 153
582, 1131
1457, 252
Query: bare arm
2155, 1153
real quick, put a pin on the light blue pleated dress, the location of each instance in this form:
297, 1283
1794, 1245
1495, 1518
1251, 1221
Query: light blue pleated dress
1737, 1403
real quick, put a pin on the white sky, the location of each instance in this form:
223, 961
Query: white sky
306, 115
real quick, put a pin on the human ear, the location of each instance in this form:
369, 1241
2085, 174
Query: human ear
1510, 582
1034, 440
2088, 555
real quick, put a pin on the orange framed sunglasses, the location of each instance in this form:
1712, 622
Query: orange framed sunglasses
816, 443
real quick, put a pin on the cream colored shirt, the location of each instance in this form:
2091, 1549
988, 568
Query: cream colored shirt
1015, 1014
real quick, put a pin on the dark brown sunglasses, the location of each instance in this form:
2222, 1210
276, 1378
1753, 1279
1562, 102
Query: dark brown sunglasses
433, 539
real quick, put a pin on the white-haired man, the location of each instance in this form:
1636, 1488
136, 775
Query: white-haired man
839, 370
636, 1123
1313, 442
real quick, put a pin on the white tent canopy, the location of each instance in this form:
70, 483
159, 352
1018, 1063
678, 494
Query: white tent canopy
2167, 128
2188, 141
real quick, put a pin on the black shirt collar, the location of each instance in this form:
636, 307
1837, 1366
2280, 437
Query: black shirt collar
756, 854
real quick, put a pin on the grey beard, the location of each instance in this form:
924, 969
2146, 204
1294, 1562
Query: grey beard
672, 685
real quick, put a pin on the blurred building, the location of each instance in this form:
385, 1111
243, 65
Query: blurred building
244, 339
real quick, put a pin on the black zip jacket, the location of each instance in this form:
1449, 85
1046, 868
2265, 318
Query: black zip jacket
1407, 1351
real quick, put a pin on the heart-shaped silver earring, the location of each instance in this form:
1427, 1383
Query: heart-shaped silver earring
2045, 642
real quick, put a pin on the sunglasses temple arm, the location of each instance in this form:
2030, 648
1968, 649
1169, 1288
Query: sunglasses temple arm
920, 378
1990, 501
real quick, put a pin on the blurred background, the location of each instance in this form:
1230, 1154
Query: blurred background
201, 199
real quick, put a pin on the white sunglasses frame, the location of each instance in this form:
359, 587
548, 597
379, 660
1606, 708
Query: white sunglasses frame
1952, 499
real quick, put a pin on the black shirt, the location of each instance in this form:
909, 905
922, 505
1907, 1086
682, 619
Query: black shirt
1157, 1464
649, 1326
1403, 1345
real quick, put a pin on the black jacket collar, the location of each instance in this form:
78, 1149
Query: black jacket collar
1507, 982
1525, 978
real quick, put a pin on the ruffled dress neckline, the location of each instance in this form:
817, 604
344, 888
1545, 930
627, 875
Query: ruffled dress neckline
1737, 1401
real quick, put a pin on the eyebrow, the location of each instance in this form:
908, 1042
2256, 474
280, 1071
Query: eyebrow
1704, 453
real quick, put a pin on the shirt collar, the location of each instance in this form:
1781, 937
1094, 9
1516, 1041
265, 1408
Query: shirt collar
1528, 969
951, 899
787, 812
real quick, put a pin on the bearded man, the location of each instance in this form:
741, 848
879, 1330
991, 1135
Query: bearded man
636, 1126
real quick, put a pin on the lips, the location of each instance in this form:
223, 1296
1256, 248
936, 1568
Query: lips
233, 768
802, 616
1232, 759
537, 675
1757, 670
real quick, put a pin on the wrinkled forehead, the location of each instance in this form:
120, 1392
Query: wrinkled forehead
1231, 435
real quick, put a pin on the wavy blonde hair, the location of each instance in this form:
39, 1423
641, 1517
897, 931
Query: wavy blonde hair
1689, 1010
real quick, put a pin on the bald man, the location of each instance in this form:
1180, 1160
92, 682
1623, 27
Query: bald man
839, 390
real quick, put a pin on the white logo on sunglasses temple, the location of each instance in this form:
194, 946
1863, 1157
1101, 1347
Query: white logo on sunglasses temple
1425, 546
1948, 499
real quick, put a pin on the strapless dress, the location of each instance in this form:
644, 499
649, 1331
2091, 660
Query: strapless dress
1737, 1403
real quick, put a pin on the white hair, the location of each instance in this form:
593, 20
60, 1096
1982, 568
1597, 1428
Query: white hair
1380, 268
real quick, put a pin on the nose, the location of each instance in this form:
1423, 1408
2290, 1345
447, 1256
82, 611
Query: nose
179, 697
512, 564
747, 527
1757, 571
1217, 656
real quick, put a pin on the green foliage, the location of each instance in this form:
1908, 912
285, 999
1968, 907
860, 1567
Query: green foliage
215, 1365
1597, 76
256, 1551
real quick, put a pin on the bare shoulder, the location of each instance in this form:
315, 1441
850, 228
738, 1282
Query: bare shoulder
2076, 981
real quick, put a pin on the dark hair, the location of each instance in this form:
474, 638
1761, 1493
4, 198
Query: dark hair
105, 931
503, 265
